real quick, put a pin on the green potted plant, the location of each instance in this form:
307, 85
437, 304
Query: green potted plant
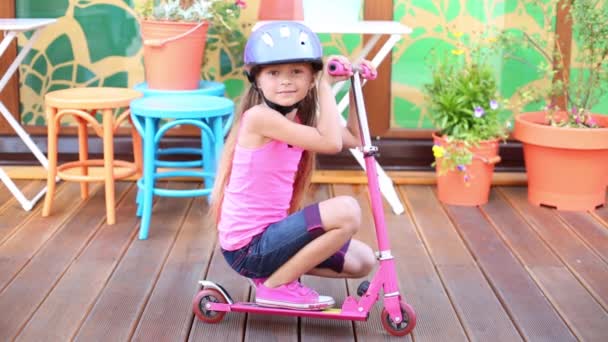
175, 34
565, 148
462, 101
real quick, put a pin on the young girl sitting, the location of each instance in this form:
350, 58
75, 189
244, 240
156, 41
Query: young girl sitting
266, 169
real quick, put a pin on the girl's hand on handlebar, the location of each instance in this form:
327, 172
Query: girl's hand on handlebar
367, 70
337, 68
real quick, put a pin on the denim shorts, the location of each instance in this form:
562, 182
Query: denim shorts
279, 242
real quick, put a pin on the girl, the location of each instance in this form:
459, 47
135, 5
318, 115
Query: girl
266, 170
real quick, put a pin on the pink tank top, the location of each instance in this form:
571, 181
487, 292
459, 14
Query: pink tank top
258, 192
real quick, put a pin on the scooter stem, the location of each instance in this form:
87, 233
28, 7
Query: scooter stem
369, 152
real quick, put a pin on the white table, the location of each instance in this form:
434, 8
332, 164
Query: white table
377, 28
11, 28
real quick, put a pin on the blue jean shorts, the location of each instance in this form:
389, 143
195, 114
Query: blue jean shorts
279, 242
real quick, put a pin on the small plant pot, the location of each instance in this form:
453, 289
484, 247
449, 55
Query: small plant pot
567, 168
453, 189
173, 53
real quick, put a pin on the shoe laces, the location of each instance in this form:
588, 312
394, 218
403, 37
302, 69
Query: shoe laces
299, 288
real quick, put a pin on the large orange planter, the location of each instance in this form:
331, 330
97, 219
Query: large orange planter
453, 189
280, 10
173, 53
567, 168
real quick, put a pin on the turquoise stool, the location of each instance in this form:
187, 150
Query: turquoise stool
210, 88
204, 88
203, 111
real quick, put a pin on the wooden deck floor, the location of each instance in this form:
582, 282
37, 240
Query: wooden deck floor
505, 272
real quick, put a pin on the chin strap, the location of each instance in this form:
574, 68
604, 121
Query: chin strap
281, 109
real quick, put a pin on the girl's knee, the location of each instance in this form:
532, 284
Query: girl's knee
360, 260
351, 212
367, 261
342, 212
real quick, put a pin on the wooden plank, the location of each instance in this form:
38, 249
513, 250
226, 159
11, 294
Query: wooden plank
168, 315
589, 321
435, 228
583, 315
12, 215
528, 307
479, 310
588, 229
586, 265
324, 329
17, 251
319, 176
29, 288
118, 308
5, 194
419, 283
57, 318
232, 327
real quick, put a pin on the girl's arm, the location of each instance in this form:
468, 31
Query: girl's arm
326, 137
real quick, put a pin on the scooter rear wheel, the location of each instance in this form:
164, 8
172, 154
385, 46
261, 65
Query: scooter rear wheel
407, 324
200, 302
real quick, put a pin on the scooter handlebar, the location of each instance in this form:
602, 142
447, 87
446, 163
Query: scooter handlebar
337, 68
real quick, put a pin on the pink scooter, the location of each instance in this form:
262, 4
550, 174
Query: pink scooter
398, 318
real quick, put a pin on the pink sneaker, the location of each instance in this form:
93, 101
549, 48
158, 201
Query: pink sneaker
291, 296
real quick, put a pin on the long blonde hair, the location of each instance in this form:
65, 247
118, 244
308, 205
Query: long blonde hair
306, 113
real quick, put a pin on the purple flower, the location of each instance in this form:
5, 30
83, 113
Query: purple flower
494, 105
241, 3
479, 112
461, 168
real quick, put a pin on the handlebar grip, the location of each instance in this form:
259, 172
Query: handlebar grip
367, 73
336, 68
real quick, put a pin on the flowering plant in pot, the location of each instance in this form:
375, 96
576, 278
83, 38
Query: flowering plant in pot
462, 101
181, 31
561, 141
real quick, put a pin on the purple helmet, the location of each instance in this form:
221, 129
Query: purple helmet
283, 42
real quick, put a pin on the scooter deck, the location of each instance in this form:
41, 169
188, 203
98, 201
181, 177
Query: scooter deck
333, 313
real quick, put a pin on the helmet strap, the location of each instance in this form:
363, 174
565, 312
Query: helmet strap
281, 109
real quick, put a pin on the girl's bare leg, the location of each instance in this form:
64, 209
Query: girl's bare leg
359, 261
341, 218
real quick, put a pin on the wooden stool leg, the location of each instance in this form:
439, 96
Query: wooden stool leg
52, 132
83, 155
108, 163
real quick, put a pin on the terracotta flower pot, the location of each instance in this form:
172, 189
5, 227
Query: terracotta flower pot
567, 168
173, 53
452, 188
280, 10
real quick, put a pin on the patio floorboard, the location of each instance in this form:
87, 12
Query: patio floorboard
505, 271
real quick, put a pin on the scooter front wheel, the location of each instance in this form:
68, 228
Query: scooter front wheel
407, 324
199, 305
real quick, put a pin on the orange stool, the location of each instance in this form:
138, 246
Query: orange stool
83, 103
